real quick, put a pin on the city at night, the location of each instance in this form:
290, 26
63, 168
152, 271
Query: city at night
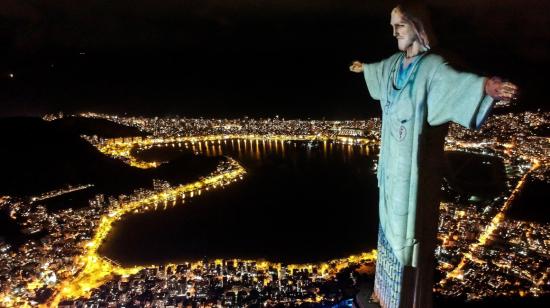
242, 153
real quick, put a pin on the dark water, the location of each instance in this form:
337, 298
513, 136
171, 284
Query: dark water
9, 230
295, 204
475, 174
532, 203
75, 200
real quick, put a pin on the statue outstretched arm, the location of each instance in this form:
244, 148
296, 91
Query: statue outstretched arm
501, 90
464, 98
373, 76
356, 67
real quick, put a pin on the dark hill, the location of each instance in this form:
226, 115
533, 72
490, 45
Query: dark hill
39, 156
100, 127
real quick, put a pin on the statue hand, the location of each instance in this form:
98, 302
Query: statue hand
501, 90
356, 67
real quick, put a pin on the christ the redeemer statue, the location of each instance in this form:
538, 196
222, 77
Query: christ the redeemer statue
419, 94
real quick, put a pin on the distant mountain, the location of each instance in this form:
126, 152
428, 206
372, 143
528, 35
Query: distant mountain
100, 127
39, 156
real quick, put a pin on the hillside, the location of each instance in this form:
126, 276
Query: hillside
39, 156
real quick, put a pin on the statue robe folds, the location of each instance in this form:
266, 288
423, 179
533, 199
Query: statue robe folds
433, 94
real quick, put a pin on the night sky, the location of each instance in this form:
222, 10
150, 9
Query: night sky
222, 58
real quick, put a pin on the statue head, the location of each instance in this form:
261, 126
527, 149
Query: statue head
411, 25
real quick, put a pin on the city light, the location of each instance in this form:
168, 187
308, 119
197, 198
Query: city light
68, 262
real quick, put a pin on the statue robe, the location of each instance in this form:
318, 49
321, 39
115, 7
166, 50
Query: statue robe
433, 94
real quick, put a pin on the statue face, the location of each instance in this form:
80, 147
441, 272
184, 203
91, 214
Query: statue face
403, 30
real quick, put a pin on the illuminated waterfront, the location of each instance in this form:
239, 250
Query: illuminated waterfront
295, 199
95, 270
467, 230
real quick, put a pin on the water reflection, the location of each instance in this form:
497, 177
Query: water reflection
299, 202
257, 149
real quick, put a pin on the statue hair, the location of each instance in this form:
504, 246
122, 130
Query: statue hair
417, 14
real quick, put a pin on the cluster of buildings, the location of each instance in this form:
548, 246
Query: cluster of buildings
179, 127
481, 252
230, 283
41, 268
29, 273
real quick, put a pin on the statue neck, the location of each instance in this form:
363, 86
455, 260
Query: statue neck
412, 51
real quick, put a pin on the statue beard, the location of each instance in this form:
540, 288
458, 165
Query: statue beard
404, 43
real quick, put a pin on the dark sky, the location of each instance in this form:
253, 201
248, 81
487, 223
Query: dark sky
227, 58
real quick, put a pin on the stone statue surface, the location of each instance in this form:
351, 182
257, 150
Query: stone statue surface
419, 93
